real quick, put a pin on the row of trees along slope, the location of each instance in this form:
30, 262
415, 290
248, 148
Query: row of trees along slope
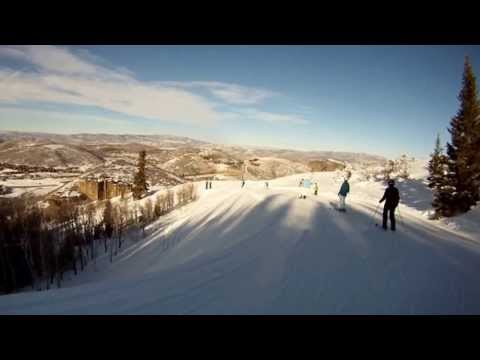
455, 175
38, 245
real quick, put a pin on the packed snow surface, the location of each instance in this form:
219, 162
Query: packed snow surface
255, 250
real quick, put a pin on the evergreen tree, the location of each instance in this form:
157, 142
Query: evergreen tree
139, 182
462, 150
476, 156
439, 181
435, 168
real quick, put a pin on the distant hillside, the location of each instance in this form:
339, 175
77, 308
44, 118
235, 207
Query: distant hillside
307, 156
167, 156
169, 141
271, 168
325, 165
33, 152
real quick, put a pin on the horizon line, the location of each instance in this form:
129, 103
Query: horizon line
195, 139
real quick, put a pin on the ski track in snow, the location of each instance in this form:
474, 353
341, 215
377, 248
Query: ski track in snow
254, 250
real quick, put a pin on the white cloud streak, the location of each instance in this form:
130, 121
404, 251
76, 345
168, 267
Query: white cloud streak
62, 77
275, 118
230, 93
76, 77
15, 114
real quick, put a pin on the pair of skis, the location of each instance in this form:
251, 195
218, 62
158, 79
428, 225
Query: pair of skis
335, 207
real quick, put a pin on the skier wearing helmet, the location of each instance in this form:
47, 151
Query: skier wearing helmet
342, 194
392, 198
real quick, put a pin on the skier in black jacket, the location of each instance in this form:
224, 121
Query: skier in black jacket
392, 198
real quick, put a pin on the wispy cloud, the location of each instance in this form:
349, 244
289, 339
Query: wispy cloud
62, 116
274, 117
230, 93
59, 60
129, 97
61, 75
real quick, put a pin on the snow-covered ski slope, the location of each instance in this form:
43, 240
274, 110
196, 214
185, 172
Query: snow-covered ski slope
264, 251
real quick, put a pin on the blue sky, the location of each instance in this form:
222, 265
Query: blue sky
378, 99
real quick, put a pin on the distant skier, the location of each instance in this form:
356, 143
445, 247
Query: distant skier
301, 183
305, 184
392, 197
210, 186
342, 194
315, 189
243, 183
266, 184
206, 185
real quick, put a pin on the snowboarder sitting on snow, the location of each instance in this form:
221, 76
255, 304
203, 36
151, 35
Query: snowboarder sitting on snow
342, 194
392, 198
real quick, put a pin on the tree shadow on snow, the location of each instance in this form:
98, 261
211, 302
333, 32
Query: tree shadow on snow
284, 255
415, 194
366, 270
